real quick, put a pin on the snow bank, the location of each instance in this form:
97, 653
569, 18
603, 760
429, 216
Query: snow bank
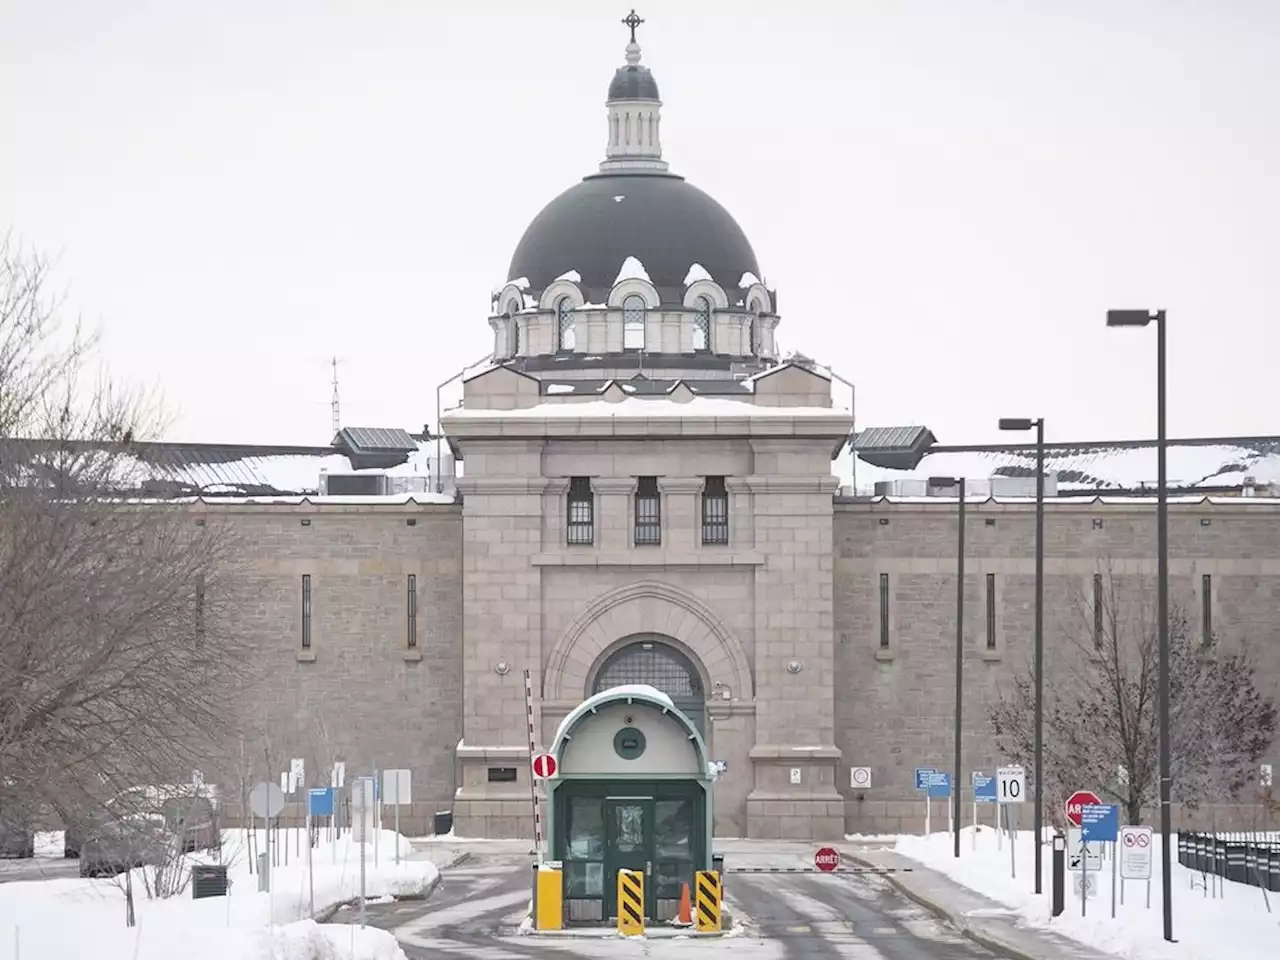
1235, 926
56, 919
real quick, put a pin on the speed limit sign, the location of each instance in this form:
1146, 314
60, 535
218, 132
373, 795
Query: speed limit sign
1011, 785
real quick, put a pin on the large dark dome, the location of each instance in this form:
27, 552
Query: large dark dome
658, 218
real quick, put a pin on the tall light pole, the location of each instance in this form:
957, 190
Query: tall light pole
958, 484
1142, 318
1010, 423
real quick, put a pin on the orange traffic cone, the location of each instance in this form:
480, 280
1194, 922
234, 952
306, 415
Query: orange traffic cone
685, 917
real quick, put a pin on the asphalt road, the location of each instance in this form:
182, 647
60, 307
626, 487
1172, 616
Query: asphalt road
477, 905
38, 868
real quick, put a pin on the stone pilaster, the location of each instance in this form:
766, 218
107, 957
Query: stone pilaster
613, 511
681, 513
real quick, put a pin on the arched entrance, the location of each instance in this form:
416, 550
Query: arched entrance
649, 660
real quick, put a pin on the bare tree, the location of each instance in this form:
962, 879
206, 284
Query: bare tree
119, 649
1101, 720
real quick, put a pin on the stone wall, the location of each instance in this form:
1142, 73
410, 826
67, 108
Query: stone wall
360, 694
894, 705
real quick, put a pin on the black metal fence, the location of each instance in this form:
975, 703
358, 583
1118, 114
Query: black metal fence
1239, 857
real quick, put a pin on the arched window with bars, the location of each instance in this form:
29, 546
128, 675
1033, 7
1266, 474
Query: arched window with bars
566, 336
648, 660
702, 325
633, 313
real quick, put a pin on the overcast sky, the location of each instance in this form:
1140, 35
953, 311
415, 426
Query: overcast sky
947, 195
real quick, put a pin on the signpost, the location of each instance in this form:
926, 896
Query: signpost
363, 798
984, 791
266, 800
1011, 788
1099, 823
1135, 857
826, 859
544, 766
397, 790
936, 785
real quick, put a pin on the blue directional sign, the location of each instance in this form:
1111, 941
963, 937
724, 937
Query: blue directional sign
939, 785
1099, 823
923, 775
984, 787
320, 802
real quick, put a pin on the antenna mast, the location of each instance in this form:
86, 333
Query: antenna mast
333, 404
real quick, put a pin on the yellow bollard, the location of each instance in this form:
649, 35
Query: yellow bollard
707, 900
550, 899
631, 903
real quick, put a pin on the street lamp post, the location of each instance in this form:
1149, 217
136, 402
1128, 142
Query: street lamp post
1142, 318
1009, 423
958, 484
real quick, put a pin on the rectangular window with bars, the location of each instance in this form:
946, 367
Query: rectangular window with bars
581, 527
1206, 610
991, 611
1099, 628
306, 611
884, 611
715, 512
411, 612
648, 512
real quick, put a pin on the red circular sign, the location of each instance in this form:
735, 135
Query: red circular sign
826, 859
1081, 798
544, 766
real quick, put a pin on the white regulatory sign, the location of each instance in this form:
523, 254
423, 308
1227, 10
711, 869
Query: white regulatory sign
860, 777
1080, 854
1134, 847
1011, 785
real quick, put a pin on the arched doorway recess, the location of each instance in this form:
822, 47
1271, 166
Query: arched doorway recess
650, 660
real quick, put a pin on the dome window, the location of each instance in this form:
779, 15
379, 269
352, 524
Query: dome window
633, 309
753, 337
514, 326
702, 325
565, 336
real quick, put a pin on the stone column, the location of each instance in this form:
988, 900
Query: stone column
742, 528
613, 512
681, 513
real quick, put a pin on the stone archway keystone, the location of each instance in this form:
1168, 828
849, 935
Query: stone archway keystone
652, 607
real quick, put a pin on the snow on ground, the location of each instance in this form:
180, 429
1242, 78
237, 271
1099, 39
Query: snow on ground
1236, 925
57, 919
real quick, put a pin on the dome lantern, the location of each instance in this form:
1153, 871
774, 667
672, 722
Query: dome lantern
634, 113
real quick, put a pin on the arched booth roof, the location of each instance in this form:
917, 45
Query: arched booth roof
648, 697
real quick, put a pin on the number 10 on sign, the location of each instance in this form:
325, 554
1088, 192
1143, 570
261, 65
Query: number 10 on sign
1011, 785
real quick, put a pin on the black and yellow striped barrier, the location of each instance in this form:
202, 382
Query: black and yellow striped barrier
707, 901
630, 903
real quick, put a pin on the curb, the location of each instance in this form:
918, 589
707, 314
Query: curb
994, 944
326, 914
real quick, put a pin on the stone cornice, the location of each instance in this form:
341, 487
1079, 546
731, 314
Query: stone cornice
681, 484
482, 486
1145, 507
613, 485
650, 557
782, 484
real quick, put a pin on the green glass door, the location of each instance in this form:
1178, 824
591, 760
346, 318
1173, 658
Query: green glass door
628, 846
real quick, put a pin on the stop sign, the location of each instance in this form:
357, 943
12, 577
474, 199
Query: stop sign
826, 859
1081, 798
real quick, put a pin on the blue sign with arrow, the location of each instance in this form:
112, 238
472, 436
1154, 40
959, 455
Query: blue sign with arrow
923, 776
984, 787
1099, 823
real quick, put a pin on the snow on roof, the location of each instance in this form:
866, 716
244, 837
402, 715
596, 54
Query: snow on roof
609, 696
560, 388
1099, 467
653, 407
520, 283
696, 272
748, 279
632, 269
572, 276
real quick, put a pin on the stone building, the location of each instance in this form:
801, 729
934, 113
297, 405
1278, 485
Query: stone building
648, 496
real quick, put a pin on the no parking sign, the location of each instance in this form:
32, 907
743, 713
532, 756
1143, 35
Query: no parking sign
1135, 853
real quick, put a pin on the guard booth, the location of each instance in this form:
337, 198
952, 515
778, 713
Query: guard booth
632, 791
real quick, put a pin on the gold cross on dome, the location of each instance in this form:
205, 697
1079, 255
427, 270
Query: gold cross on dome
632, 21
